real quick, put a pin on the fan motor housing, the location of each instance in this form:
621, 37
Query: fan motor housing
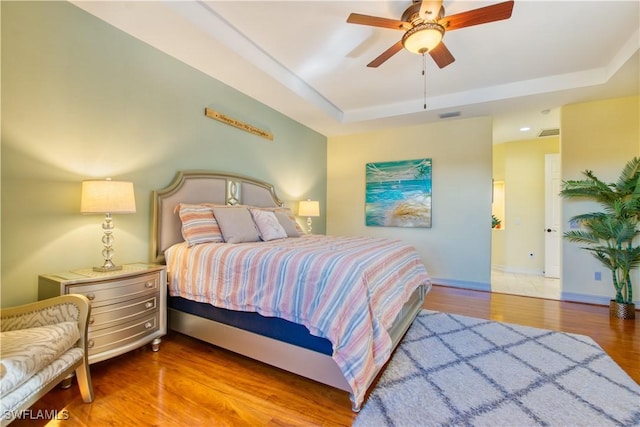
413, 12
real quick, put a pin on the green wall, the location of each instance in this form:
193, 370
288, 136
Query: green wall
81, 99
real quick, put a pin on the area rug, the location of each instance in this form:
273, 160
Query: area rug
452, 370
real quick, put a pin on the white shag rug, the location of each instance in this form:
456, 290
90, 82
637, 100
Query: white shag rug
452, 370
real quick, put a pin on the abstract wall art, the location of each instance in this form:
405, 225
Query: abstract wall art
398, 193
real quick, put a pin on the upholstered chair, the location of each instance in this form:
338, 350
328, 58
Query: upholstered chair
42, 344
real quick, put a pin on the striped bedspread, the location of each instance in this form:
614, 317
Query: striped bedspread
348, 290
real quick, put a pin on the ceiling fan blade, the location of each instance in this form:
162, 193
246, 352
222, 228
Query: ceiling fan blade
386, 55
375, 21
441, 55
496, 12
430, 10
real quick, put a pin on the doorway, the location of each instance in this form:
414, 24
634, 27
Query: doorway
521, 260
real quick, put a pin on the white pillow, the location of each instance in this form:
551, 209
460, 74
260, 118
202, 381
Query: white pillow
268, 225
287, 220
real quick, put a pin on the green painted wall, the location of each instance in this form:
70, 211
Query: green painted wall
81, 99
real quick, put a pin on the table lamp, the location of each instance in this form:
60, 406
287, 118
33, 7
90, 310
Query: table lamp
309, 208
107, 197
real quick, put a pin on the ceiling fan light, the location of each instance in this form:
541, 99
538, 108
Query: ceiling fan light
423, 37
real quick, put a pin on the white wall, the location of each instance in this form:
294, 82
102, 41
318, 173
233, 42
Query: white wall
457, 248
601, 136
521, 165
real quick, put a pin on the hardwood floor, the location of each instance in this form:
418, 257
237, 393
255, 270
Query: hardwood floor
191, 383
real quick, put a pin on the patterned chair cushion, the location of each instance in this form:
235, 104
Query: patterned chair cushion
25, 352
33, 385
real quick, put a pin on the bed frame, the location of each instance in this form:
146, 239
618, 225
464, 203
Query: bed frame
222, 188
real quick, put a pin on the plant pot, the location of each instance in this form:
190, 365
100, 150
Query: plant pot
622, 311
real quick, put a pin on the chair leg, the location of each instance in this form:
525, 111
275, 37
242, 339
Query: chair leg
84, 382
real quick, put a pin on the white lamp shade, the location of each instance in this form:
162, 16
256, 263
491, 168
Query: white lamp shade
309, 208
106, 196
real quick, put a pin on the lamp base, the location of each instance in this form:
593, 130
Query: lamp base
107, 269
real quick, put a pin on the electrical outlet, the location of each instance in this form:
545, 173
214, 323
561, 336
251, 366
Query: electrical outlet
597, 275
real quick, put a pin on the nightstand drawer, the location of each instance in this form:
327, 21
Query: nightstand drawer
120, 335
122, 312
102, 293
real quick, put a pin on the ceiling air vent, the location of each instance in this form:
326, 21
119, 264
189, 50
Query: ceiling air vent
549, 132
449, 115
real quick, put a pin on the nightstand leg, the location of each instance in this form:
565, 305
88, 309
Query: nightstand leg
155, 344
66, 383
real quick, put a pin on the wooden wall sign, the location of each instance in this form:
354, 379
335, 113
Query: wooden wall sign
213, 114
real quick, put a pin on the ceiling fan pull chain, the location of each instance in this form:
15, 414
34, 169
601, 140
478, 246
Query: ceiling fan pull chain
424, 77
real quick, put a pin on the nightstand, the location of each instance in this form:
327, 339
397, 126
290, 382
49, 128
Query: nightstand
128, 306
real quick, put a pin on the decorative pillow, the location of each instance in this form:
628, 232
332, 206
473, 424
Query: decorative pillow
199, 224
268, 225
288, 224
236, 224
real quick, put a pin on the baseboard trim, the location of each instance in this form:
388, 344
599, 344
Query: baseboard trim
476, 286
587, 299
529, 272
564, 296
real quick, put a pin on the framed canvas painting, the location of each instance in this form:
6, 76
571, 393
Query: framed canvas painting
398, 194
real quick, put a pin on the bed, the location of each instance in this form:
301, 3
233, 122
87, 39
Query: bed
329, 308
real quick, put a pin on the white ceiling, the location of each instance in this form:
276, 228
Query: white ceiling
303, 59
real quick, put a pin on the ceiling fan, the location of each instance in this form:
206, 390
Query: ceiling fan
424, 24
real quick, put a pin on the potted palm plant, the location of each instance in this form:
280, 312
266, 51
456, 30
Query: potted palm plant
609, 235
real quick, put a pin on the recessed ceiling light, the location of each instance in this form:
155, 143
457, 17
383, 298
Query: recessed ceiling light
525, 128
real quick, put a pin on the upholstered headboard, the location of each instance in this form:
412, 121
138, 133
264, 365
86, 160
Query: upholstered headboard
201, 187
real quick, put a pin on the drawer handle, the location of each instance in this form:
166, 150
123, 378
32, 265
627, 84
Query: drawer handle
148, 325
90, 344
91, 320
149, 285
91, 296
149, 304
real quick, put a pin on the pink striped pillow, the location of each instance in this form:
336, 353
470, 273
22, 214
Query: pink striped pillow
199, 225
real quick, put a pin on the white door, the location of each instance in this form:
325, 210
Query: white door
552, 219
